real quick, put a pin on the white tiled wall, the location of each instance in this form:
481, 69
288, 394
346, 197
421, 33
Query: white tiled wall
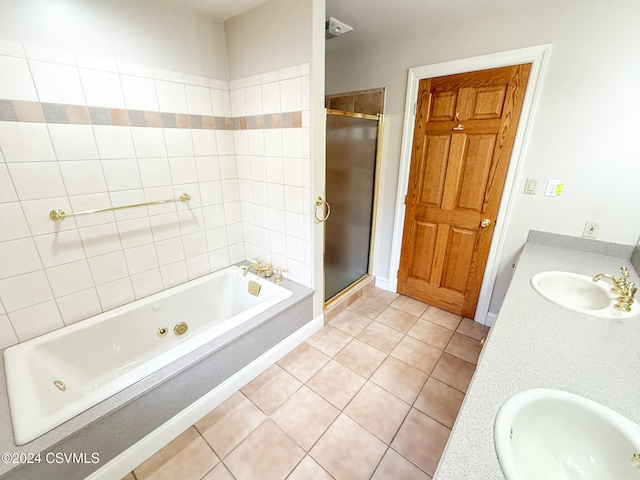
273, 170
250, 189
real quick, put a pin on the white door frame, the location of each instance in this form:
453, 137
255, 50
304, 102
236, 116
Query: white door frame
537, 56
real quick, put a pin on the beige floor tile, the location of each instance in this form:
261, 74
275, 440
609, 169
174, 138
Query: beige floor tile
219, 472
350, 322
421, 440
409, 305
395, 466
336, 383
440, 401
396, 319
417, 354
339, 305
330, 313
224, 430
380, 336
309, 469
400, 379
380, 295
222, 410
268, 453
306, 389
347, 450
293, 354
360, 357
380, 412
306, 364
329, 340
260, 380
472, 329
431, 333
318, 334
273, 393
128, 476
187, 457
305, 416
442, 317
466, 348
454, 372
368, 306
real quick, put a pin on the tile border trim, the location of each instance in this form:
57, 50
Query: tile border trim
68, 114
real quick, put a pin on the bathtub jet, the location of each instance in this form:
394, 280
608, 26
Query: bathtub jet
54, 377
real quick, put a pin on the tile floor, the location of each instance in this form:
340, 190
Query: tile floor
372, 395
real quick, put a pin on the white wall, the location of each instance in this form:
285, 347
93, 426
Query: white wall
583, 129
273, 169
277, 32
141, 31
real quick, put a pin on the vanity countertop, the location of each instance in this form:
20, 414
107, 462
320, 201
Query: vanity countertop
535, 343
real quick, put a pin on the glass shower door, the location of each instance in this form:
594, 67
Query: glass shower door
350, 180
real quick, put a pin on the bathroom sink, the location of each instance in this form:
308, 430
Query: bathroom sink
580, 294
551, 434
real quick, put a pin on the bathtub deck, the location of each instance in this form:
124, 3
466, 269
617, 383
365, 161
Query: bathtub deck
373, 394
121, 421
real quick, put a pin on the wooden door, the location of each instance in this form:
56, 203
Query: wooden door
463, 136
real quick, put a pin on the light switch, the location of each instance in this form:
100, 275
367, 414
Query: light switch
530, 186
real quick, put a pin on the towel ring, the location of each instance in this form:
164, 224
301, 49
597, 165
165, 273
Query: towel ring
327, 210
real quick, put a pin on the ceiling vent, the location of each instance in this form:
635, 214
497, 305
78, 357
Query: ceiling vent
334, 28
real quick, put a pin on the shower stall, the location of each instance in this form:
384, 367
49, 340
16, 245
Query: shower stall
352, 146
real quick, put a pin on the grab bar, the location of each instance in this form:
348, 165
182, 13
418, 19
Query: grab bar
58, 214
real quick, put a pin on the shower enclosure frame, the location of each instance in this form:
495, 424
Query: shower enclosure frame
375, 193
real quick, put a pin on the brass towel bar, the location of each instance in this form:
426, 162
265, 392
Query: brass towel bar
58, 214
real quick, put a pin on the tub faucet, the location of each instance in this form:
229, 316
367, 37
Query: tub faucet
259, 267
626, 291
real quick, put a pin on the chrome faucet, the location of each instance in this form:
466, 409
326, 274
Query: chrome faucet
259, 267
625, 290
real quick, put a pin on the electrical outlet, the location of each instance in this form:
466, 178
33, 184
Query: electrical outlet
591, 229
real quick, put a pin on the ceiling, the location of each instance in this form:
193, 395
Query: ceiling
221, 9
372, 20
376, 20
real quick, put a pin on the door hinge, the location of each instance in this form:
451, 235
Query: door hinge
405, 199
415, 108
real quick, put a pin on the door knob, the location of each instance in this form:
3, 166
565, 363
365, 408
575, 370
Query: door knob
485, 223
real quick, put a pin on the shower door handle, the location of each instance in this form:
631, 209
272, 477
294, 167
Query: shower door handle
320, 202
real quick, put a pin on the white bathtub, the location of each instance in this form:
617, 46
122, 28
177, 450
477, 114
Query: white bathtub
56, 376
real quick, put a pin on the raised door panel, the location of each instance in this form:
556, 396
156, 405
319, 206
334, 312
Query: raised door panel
453, 176
457, 262
434, 167
443, 105
424, 244
487, 102
476, 169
